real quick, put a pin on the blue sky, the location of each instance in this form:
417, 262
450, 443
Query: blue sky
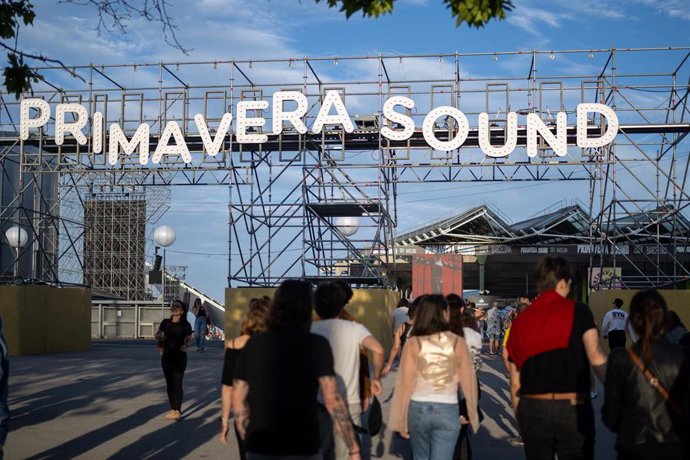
260, 29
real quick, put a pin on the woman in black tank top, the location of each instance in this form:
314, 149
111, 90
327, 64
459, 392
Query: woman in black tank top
254, 321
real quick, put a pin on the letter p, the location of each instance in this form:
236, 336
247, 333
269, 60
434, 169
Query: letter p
26, 122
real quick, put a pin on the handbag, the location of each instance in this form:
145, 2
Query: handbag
653, 381
374, 419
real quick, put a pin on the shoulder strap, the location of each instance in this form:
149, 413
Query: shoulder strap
653, 381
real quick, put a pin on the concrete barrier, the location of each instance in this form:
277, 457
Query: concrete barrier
45, 319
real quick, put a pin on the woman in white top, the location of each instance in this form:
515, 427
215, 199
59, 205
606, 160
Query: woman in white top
425, 405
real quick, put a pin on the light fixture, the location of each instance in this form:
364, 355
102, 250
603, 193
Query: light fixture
495, 57
347, 225
164, 236
289, 62
335, 61
215, 66
17, 239
590, 55
251, 64
552, 56
440, 59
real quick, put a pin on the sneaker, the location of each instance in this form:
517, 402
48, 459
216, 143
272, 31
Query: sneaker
516, 441
176, 416
170, 415
593, 395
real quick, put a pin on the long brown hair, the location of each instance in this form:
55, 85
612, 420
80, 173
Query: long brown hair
648, 317
456, 314
429, 317
256, 318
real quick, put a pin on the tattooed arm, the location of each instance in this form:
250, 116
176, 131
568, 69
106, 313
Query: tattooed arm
339, 413
240, 406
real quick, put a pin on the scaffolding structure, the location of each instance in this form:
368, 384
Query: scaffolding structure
285, 196
115, 244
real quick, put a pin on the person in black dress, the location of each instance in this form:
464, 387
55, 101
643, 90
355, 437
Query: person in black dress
254, 321
173, 335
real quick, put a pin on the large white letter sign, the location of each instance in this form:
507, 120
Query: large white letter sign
430, 122
212, 146
395, 117
294, 117
73, 128
611, 130
559, 142
97, 132
25, 122
140, 138
332, 99
179, 148
243, 122
485, 136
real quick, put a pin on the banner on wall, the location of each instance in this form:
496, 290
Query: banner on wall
436, 274
605, 278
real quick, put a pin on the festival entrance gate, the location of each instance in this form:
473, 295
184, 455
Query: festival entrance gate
132, 131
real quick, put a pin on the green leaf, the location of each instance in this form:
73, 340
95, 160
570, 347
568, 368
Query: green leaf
18, 76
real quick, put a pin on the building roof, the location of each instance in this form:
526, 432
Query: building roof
566, 223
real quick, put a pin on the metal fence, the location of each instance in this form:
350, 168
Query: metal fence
126, 319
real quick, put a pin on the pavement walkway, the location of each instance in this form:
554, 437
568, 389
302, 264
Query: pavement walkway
109, 402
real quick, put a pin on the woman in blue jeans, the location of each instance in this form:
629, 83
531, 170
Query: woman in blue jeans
200, 325
425, 405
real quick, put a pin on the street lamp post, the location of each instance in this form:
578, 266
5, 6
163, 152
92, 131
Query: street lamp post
348, 226
164, 236
17, 238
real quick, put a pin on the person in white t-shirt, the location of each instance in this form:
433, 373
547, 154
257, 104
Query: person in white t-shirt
346, 338
400, 314
615, 324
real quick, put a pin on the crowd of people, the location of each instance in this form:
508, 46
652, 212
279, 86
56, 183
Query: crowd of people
302, 373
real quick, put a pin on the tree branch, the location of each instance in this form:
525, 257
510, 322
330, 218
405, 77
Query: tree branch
42, 58
113, 15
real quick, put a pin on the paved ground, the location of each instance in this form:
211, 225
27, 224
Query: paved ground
109, 403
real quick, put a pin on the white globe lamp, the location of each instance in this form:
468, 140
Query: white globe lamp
164, 236
17, 237
347, 225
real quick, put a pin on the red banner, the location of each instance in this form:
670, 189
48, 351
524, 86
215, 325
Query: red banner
436, 274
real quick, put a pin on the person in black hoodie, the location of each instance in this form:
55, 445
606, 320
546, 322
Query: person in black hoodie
647, 389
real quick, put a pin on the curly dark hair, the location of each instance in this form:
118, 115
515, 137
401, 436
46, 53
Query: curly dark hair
292, 306
330, 299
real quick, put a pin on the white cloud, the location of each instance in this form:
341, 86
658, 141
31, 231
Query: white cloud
533, 20
677, 9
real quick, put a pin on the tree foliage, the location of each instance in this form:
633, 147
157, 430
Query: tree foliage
113, 15
475, 13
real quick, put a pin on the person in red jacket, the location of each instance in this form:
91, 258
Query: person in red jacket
551, 347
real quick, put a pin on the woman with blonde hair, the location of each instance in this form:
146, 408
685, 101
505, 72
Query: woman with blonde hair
434, 364
254, 321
